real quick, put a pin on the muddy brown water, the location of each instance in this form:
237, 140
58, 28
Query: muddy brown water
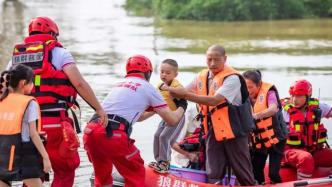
102, 35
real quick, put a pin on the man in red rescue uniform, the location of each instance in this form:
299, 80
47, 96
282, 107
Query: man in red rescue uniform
56, 83
125, 105
227, 120
306, 145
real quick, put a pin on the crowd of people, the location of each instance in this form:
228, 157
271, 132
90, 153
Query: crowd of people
240, 121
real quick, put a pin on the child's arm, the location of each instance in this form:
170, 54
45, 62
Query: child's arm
191, 156
34, 135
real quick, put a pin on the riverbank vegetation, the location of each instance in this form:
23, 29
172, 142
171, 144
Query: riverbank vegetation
231, 10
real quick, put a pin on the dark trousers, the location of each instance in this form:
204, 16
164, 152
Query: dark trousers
259, 158
232, 153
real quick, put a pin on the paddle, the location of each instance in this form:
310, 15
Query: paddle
318, 181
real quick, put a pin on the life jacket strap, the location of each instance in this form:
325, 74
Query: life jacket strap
55, 95
259, 120
261, 130
62, 114
55, 81
220, 106
265, 139
53, 106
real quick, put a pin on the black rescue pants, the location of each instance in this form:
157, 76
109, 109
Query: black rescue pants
259, 157
233, 153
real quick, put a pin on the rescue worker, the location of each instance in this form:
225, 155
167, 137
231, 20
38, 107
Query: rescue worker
22, 153
125, 105
269, 137
56, 83
306, 145
227, 120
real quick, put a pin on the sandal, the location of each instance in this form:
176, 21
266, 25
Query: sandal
153, 164
162, 167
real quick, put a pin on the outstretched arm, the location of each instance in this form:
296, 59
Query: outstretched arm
205, 100
270, 111
169, 116
84, 90
145, 116
191, 96
329, 115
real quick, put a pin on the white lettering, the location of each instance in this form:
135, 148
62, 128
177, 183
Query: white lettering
178, 183
8, 116
26, 58
164, 181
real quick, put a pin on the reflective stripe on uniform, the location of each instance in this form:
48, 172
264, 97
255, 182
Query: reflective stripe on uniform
51, 126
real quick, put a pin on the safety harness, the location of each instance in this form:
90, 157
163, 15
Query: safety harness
306, 130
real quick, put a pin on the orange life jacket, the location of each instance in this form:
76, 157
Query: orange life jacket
52, 88
12, 110
306, 130
219, 116
264, 129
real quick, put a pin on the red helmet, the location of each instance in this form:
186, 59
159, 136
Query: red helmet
301, 87
44, 25
138, 63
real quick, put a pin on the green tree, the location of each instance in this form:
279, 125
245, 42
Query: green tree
233, 10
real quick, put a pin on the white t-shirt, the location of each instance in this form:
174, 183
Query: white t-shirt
190, 123
131, 97
60, 58
326, 110
231, 88
30, 115
189, 127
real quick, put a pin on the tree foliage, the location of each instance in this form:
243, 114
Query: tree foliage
233, 10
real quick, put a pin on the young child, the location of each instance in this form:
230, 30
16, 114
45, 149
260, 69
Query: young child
166, 135
22, 153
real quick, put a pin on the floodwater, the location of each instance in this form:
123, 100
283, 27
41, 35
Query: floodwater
102, 35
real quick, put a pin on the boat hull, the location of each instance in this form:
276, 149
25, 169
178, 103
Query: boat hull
153, 179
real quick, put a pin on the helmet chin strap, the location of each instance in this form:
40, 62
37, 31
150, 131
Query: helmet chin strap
301, 107
305, 104
147, 76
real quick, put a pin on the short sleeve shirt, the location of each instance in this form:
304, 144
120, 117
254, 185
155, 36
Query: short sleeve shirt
231, 88
131, 97
30, 115
326, 110
61, 57
272, 98
190, 123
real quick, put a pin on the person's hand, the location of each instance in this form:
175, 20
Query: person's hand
179, 92
47, 165
257, 116
164, 87
181, 103
193, 157
102, 117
